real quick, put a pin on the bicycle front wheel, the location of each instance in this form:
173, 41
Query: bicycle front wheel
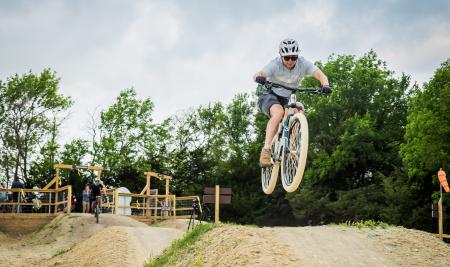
294, 156
269, 175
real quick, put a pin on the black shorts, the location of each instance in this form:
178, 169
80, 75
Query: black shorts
266, 101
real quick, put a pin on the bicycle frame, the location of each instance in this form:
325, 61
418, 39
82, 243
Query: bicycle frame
283, 129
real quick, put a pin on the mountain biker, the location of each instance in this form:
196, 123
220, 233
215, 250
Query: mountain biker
289, 70
97, 189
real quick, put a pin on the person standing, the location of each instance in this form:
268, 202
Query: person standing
86, 199
17, 184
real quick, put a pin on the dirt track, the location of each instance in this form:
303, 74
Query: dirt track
317, 246
75, 240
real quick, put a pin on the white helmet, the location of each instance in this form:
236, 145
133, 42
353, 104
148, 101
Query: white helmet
289, 47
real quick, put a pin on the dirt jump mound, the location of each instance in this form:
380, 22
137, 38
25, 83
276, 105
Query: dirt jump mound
76, 240
315, 246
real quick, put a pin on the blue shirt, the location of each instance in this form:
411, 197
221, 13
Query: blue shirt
278, 73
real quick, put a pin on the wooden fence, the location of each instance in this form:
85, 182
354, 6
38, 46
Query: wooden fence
148, 208
36, 200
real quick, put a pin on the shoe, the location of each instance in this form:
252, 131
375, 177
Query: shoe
265, 160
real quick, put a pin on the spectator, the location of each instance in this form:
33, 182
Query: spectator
2, 195
86, 199
17, 184
36, 196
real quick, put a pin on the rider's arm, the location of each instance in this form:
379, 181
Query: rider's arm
267, 71
319, 75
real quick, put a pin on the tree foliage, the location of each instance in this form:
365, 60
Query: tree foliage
29, 104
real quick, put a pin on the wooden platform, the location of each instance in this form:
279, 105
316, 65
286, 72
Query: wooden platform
23, 223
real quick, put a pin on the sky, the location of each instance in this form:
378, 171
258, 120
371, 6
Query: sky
182, 54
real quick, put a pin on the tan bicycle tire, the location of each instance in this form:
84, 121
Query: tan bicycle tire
288, 185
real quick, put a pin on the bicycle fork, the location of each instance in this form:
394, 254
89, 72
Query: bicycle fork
286, 134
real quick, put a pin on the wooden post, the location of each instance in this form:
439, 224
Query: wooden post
167, 197
116, 201
50, 202
69, 199
147, 204
174, 207
216, 219
441, 225
167, 186
56, 191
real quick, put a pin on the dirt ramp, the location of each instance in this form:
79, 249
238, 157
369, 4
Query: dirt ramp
238, 246
77, 240
109, 247
350, 246
321, 246
117, 246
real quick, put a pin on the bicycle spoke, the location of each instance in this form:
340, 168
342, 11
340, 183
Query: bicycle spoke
293, 155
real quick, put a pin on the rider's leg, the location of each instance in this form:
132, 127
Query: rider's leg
276, 114
93, 205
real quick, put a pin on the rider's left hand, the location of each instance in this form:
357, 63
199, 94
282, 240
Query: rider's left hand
326, 89
260, 80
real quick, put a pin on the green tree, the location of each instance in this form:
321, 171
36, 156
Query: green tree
355, 137
125, 133
427, 141
29, 103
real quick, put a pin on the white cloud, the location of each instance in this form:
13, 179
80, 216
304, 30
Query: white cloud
183, 55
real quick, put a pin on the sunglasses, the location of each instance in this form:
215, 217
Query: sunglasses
293, 58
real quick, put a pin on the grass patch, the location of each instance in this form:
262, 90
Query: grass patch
156, 224
59, 252
38, 229
365, 224
171, 254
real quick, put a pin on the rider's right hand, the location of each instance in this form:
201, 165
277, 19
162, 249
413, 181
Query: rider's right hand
260, 80
326, 89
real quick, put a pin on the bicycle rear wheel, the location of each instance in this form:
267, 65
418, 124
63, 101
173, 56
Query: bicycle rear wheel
97, 211
294, 156
269, 174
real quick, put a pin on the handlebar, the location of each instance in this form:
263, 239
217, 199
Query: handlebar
310, 90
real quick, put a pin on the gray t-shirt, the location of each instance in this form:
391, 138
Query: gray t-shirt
278, 73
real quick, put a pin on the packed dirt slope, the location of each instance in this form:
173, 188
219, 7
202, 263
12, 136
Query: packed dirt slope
317, 246
76, 240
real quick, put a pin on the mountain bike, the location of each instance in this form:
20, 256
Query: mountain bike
289, 145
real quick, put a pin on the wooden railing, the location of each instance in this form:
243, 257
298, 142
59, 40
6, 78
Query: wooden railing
141, 206
36, 200
149, 207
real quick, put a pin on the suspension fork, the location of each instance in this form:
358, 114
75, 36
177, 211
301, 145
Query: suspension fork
286, 132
